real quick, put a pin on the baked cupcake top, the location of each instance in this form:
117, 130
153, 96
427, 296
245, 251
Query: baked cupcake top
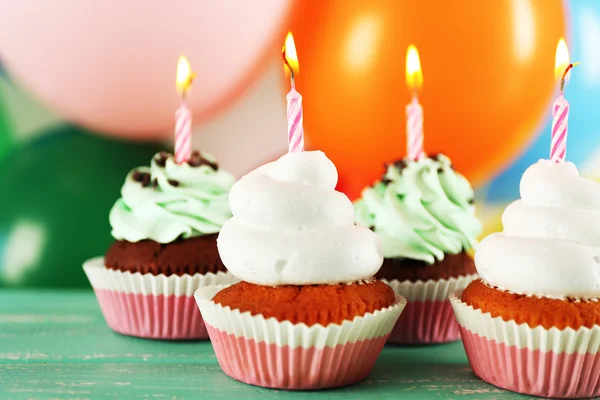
168, 200
550, 245
420, 210
291, 227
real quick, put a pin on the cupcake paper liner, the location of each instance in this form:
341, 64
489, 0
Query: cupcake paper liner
428, 317
151, 306
269, 353
535, 361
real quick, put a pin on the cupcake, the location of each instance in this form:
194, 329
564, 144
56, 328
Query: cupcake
307, 314
424, 215
165, 227
531, 323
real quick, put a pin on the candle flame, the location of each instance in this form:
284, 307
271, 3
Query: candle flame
561, 61
288, 53
414, 74
185, 76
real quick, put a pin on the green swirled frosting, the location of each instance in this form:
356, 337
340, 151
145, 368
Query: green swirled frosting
170, 200
420, 210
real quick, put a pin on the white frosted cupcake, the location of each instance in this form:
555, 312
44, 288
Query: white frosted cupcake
307, 314
531, 324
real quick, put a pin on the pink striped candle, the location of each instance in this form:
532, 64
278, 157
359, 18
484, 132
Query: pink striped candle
560, 126
414, 129
560, 117
183, 116
183, 134
294, 116
294, 99
414, 111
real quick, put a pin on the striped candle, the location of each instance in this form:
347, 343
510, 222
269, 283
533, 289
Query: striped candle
560, 117
560, 121
294, 99
294, 117
183, 116
414, 129
183, 134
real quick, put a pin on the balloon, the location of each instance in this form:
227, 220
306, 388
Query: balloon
6, 134
583, 94
110, 65
56, 195
488, 71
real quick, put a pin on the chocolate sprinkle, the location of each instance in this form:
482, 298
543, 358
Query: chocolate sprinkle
472, 201
372, 227
196, 160
440, 170
161, 160
146, 180
142, 177
173, 182
154, 183
137, 176
385, 180
400, 164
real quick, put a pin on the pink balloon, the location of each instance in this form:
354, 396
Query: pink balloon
110, 65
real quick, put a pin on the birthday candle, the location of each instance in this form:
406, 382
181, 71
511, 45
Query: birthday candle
294, 99
414, 110
183, 116
560, 109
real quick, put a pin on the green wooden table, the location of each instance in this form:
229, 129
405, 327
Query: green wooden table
55, 345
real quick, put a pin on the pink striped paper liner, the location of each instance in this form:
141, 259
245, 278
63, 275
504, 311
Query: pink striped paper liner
155, 317
269, 353
425, 322
534, 361
428, 317
151, 306
268, 365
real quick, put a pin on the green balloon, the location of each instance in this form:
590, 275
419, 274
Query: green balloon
55, 196
6, 133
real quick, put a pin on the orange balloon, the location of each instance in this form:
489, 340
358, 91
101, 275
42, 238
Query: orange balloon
488, 70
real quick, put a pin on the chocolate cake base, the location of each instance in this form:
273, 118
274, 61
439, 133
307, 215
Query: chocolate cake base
184, 256
404, 269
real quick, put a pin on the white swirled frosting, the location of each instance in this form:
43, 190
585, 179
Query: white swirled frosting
551, 241
290, 227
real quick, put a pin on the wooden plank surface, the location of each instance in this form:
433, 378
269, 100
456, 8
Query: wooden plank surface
55, 345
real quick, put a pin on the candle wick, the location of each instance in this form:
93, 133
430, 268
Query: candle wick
564, 76
292, 72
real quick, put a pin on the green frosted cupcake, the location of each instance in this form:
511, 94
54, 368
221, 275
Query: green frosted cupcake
165, 226
423, 213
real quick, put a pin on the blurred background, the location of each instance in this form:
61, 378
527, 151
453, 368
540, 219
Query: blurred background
87, 93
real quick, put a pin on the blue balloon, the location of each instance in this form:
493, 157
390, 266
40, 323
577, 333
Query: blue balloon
583, 94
